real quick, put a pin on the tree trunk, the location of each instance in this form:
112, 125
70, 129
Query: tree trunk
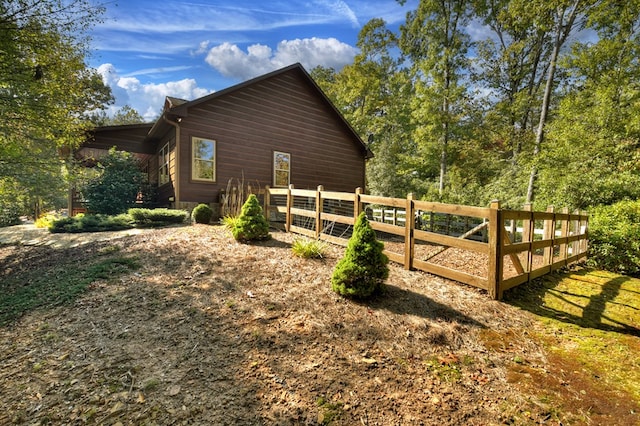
562, 32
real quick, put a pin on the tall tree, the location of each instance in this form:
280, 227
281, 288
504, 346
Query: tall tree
374, 94
568, 15
435, 40
595, 136
46, 89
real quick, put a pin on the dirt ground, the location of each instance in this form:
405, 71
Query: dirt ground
210, 331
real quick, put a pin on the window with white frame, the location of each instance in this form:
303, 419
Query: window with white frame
281, 168
203, 159
163, 165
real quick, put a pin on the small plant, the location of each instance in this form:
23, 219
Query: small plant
308, 249
229, 222
251, 224
44, 221
157, 217
363, 269
202, 214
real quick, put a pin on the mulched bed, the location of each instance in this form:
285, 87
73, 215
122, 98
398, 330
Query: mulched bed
210, 331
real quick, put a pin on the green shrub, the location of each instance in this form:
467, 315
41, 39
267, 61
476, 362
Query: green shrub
157, 217
91, 223
202, 214
308, 249
45, 220
118, 186
9, 214
251, 224
363, 269
614, 237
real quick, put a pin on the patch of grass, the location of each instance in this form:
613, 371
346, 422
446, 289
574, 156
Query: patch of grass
591, 317
308, 249
56, 286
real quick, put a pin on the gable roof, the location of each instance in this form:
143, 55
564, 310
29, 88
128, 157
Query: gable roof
175, 107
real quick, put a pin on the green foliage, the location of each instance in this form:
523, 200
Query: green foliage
229, 222
10, 212
202, 214
118, 186
45, 220
614, 237
56, 285
363, 269
157, 217
308, 249
91, 223
251, 224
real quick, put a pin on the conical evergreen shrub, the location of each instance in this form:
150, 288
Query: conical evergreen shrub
251, 224
363, 269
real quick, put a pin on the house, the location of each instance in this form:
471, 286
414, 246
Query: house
276, 129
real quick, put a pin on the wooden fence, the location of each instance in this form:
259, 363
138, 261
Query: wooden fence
457, 242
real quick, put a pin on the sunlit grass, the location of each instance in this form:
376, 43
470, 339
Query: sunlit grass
590, 316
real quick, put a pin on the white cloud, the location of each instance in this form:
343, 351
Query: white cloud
146, 98
231, 61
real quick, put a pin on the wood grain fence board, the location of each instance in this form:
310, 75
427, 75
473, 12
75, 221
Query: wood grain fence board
453, 209
304, 231
538, 272
445, 240
302, 212
309, 193
393, 256
334, 240
452, 274
393, 202
514, 281
347, 220
516, 248
388, 228
337, 196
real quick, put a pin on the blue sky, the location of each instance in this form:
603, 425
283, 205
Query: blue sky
146, 50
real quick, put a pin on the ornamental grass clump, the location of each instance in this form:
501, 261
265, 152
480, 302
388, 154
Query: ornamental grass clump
361, 272
251, 224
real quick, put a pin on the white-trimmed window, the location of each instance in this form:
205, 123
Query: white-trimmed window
203, 159
281, 168
163, 165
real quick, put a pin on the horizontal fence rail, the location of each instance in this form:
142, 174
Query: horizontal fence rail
490, 248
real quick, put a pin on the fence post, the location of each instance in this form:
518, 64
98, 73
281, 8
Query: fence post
267, 203
409, 224
528, 226
584, 243
564, 233
289, 204
357, 204
319, 211
549, 233
496, 231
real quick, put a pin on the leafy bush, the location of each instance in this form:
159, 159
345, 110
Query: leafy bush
202, 214
118, 186
45, 220
251, 224
157, 217
91, 223
363, 269
9, 214
614, 237
308, 249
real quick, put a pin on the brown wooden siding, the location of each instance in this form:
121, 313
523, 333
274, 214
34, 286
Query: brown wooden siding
283, 113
